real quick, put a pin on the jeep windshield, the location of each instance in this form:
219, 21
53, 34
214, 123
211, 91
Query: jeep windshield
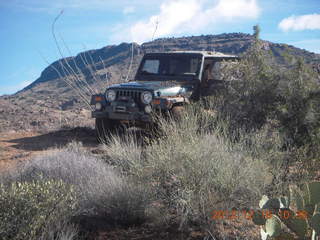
180, 66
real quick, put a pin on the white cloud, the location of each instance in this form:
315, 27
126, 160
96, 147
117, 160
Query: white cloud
128, 10
172, 15
236, 8
190, 16
303, 22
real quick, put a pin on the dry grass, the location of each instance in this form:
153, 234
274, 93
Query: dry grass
195, 168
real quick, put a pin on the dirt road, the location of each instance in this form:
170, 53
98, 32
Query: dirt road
20, 146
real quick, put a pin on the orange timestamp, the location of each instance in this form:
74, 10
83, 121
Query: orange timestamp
248, 214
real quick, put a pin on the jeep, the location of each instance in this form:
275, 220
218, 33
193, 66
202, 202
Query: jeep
164, 83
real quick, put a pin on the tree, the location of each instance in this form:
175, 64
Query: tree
256, 31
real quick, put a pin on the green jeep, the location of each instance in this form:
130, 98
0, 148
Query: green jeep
164, 83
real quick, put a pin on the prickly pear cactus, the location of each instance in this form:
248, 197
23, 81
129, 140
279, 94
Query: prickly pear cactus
292, 218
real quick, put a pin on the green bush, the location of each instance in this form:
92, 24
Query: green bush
298, 112
259, 90
32, 210
251, 95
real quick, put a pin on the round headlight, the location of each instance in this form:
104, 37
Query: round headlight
111, 95
146, 97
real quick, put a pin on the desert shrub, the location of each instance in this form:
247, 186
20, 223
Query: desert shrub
101, 191
298, 111
62, 231
208, 170
35, 210
259, 93
258, 90
123, 151
195, 168
250, 97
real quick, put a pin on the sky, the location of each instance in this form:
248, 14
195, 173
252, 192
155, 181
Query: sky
27, 43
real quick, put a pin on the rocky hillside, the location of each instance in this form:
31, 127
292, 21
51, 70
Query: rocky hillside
111, 62
58, 97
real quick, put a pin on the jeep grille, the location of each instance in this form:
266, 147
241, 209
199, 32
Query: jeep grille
129, 93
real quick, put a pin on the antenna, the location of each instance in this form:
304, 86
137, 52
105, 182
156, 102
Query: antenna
53, 32
129, 70
155, 30
162, 44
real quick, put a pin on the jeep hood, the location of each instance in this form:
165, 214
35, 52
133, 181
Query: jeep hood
160, 88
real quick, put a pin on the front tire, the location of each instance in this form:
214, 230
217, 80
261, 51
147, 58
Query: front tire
104, 127
177, 112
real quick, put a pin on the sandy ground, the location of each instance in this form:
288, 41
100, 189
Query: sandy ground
20, 146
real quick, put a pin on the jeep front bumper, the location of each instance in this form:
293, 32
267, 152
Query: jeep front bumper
127, 111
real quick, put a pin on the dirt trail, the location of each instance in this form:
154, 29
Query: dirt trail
20, 146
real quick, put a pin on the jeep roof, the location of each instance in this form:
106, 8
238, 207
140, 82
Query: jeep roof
206, 54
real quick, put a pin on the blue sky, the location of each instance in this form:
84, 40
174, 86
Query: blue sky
27, 43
